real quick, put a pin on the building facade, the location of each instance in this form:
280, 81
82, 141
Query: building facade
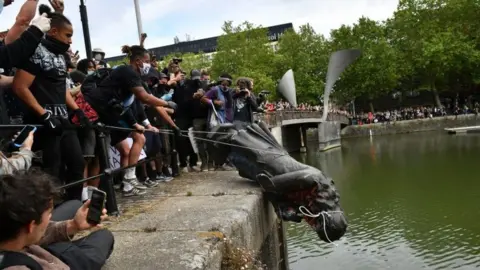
208, 45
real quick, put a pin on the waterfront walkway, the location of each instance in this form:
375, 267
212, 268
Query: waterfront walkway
183, 224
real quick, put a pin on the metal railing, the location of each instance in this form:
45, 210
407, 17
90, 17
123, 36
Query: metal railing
273, 119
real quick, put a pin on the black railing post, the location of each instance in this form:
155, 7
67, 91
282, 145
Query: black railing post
106, 183
86, 31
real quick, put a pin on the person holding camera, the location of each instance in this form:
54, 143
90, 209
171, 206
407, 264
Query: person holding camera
244, 101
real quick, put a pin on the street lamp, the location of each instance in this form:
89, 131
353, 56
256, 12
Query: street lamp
139, 19
86, 31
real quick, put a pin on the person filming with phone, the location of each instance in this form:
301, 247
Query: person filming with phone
30, 240
20, 160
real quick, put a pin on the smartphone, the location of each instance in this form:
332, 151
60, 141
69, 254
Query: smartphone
23, 135
97, 204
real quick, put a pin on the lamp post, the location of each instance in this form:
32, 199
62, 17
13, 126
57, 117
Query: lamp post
139, 19
86, 31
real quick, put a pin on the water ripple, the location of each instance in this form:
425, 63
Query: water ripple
381, 240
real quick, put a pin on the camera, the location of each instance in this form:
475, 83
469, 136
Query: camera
177, 60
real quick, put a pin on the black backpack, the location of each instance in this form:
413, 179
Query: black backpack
93, 80
11, 258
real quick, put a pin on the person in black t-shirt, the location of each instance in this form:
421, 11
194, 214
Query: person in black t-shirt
41, 84
113, 99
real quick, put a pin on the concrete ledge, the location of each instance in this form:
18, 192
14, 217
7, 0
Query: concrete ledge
182, 224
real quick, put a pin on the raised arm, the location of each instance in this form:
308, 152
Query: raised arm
22, 22
21, 49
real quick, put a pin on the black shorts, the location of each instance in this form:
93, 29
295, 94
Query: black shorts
153, 144
90, 142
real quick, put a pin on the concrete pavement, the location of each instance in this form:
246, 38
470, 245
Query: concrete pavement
185, 224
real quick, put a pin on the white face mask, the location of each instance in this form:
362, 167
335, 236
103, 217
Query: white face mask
97, 56
145, 69
90, 72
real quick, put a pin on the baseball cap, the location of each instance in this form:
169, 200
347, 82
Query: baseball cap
195, 74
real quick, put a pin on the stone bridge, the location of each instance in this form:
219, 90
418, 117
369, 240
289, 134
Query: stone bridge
290, 128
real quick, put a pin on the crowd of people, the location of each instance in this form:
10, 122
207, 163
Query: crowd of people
411, 113
72, 103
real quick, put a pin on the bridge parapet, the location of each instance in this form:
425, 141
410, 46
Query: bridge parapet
275, 119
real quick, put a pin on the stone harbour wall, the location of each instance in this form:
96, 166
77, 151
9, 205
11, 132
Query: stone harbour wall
409, 126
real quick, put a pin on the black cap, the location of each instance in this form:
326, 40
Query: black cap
195, 74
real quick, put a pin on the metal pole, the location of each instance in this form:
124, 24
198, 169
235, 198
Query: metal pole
139, 19
106, 184
86, 31
353, 108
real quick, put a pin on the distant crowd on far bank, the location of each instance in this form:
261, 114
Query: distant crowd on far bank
411, 113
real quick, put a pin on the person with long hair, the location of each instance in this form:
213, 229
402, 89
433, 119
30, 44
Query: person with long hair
113, 100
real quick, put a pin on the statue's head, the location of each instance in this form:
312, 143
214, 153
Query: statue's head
321, 207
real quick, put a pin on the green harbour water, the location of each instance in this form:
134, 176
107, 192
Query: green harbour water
412, 202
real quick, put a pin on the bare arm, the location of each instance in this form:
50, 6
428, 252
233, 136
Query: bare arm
21, 84
70, 101
76, 90
22, 22
169, 110
5, 81
164, 114
148, 99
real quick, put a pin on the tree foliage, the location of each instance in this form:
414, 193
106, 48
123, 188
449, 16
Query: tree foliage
189, 61
306, 53
243, 51
430, 45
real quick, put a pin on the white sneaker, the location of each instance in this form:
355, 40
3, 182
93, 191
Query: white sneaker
195, 169
133, 192
134, 182
185, 170
150, 183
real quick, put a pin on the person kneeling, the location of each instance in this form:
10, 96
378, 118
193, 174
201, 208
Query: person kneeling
30, 240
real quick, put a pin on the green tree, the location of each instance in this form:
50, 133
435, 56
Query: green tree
119, 62
374, 73
189, 61
430, 36
306, 53
243, 51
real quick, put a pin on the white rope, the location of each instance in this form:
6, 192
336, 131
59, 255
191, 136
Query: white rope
307, 213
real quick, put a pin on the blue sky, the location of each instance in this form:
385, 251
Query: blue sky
112, 22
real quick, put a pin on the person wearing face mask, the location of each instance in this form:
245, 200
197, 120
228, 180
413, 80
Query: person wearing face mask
219, 99
183, 97
86, 66
113, 98
220, 96
98, 54
41, 84
200, 114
